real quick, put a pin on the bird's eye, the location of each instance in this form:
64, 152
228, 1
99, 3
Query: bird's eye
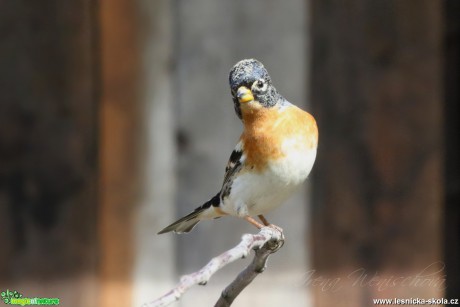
259, 86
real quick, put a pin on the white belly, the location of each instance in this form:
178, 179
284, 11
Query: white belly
255, 193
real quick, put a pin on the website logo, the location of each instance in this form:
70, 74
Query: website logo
16, 298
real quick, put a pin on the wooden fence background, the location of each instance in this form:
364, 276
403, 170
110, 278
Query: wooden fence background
116, 118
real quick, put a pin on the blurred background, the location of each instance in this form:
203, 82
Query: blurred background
116, 119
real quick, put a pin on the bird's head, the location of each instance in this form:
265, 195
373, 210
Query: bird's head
252, 87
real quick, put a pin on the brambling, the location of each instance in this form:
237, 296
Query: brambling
273, 157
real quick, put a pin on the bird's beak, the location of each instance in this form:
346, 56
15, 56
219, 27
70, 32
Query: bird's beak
244, 94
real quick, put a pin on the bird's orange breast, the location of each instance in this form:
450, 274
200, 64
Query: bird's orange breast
266, 129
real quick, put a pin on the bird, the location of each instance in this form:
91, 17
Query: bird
273, 157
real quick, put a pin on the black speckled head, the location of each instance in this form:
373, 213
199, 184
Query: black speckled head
253, 75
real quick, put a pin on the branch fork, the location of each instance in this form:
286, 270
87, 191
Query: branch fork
269, 240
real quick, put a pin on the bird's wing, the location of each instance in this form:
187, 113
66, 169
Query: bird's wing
234, 166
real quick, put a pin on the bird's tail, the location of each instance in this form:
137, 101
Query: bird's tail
189, 221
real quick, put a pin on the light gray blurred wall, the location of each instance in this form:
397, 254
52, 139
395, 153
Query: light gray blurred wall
201, 40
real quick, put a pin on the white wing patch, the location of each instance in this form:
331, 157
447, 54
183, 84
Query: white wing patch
234, 165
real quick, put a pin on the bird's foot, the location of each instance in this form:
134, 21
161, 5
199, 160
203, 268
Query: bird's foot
275, 227
253, 222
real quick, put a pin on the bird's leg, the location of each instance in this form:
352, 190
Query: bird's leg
266, 223
263, 219
253, 222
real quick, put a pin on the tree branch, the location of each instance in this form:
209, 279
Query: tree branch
250, 272
266, 242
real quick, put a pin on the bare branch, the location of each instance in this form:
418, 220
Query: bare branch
250, 272
267, 241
